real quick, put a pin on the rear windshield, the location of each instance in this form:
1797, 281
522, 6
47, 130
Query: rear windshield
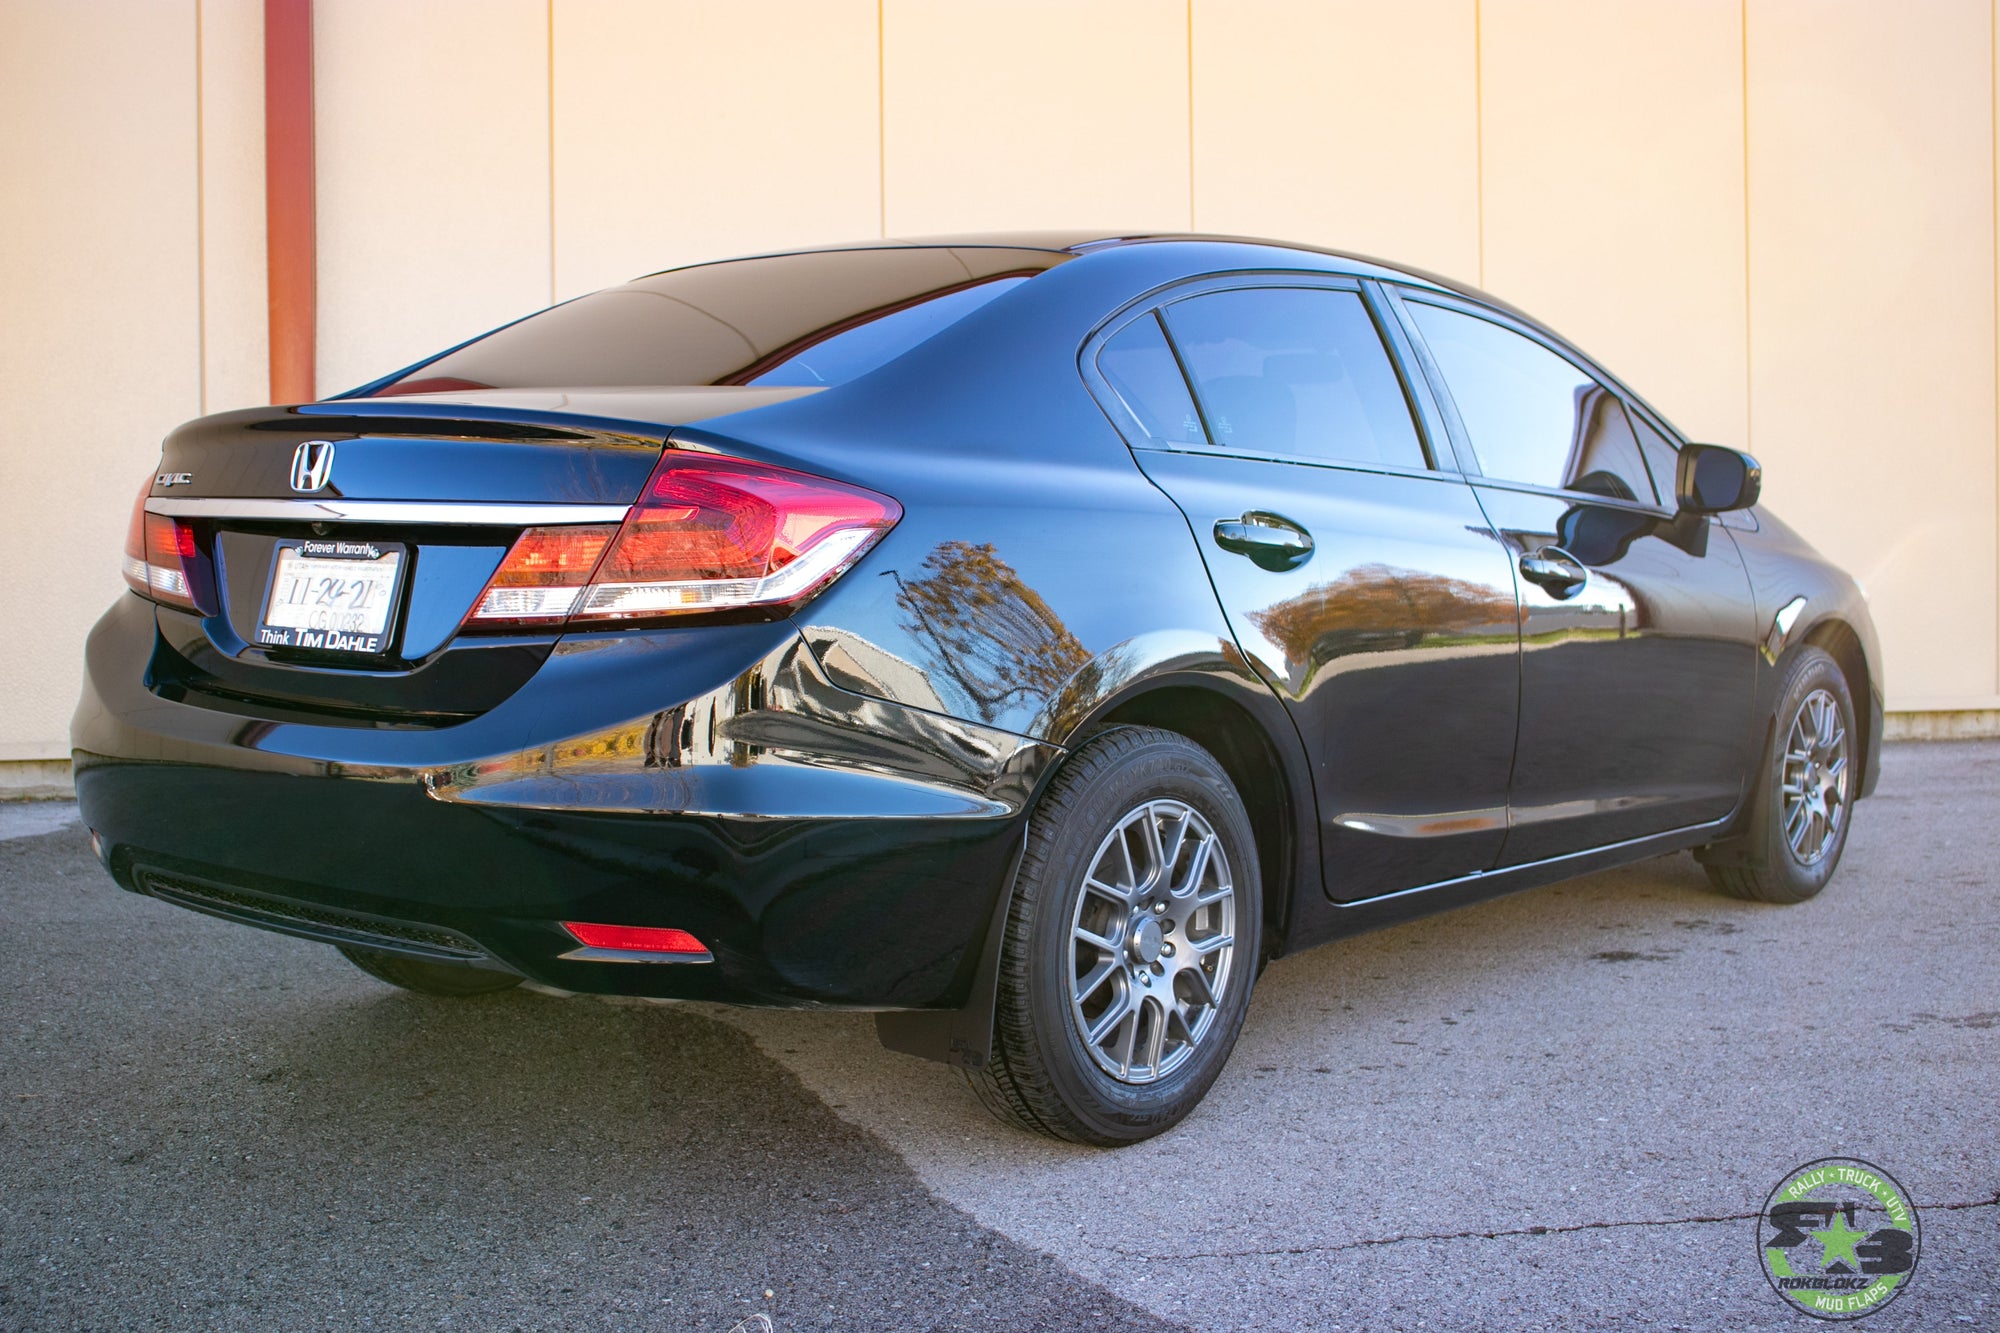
805, 319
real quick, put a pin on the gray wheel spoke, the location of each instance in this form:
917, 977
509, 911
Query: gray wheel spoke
1204, 947
1096, 941
1128, 1036
1153, 1023
1107, 1022
1100, 974
1122, 896
1150, 826
1196, 869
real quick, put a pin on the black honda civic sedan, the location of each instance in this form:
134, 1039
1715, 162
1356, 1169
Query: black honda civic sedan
1024, 636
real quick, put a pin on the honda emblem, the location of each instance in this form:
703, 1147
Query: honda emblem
312, 464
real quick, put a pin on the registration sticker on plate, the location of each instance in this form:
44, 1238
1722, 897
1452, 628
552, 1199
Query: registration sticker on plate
332, 596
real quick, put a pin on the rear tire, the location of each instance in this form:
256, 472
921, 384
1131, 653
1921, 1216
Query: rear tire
428, 978
1800, 809
1131, 945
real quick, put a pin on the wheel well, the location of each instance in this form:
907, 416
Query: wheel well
1843, 645
1246, 754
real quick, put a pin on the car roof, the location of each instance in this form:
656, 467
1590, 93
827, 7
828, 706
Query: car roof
1080, 242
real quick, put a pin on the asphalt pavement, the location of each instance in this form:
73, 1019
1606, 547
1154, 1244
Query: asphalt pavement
1559, 1110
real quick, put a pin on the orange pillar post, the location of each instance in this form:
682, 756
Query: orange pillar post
288, 197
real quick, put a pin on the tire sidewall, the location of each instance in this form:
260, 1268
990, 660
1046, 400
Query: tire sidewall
1171, 769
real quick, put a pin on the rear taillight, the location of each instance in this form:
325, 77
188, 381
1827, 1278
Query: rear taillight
707, 534
542, 577
160, 556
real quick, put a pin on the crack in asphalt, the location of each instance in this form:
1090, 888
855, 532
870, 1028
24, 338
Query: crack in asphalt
1377, 1241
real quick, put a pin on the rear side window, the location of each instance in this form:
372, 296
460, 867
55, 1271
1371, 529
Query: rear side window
1295, 370
819, 318
1141, 370
1532, 416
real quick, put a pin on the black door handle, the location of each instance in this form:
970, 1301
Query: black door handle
1558, 572
1272, 541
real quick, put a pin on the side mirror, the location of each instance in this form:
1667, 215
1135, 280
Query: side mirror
1712, 480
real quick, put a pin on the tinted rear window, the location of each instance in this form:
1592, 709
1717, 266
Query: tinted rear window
806, 319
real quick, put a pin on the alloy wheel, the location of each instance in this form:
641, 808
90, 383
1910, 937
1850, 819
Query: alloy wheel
1152, 941
1814, 780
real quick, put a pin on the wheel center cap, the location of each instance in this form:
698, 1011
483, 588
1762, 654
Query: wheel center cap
1146, 941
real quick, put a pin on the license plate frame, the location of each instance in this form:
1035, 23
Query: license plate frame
366, 629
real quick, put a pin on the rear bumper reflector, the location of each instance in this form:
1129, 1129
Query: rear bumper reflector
634, 944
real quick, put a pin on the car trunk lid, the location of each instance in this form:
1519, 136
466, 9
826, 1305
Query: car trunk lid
404, 507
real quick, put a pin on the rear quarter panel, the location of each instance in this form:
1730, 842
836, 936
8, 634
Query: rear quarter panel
1037, 581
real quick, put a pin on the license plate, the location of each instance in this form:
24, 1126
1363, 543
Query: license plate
332, 596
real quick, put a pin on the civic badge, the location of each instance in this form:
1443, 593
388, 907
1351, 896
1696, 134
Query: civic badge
312, 464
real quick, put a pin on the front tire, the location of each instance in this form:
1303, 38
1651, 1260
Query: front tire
1131, 945
428, 978
1796, 827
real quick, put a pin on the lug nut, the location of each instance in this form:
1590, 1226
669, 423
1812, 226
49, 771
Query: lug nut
1159, 907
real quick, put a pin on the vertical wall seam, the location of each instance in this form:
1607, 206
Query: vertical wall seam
200, 223
549, 36
1993, 120
881, 122
1190, 103
1479, 133
1749, 327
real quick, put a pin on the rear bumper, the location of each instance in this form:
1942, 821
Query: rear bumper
829, 849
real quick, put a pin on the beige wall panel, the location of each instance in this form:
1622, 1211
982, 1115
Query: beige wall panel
1035, 113
432, 124
236, 360
1613, 165
1871, 160
689, 130
99, 353
1308, 126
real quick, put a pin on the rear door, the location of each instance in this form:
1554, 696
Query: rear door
1638, 629
1361, 580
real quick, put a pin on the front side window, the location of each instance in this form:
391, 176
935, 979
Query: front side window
1298, 371
1530, 414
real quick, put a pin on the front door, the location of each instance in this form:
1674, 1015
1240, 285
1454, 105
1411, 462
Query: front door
1638, 631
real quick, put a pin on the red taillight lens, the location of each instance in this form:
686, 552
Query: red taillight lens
635, 939
707, 534
160, 555
542, 577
